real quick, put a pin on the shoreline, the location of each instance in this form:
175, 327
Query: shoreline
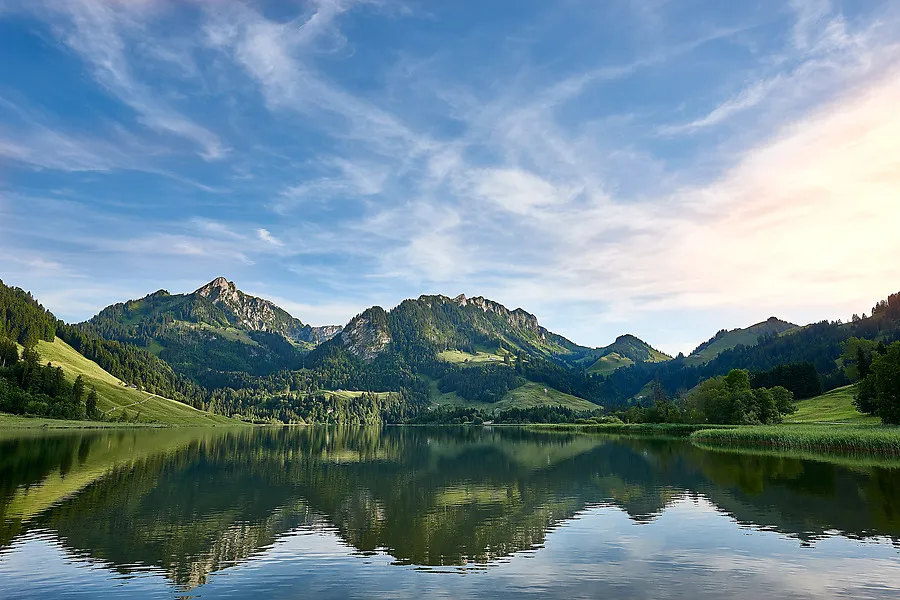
10, 422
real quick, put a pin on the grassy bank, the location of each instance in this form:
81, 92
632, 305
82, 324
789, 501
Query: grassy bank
8, 421
851, 460
839, 438
842, 438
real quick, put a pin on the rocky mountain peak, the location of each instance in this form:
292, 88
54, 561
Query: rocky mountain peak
366, 335
258, 314
218, 287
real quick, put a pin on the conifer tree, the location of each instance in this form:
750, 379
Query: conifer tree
91, 404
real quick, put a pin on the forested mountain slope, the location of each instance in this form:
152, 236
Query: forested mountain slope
747, 336
625, 351
215, 328
818, 346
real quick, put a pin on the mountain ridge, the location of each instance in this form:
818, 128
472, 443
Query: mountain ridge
726, 339
217, 327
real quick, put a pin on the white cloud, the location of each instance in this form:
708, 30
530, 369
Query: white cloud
519, 191
267, 237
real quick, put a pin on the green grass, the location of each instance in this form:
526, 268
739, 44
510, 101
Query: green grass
840, 438
748, 336
465, 358
154, 348
609, 363
834, 407
852, 460
350, 394
17, 422
114, 396
532, 394
527, 396
229, 333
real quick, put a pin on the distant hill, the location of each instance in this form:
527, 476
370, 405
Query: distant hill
625, 351
726, 340
217, 328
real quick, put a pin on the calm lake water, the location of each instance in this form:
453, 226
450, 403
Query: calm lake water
443, 512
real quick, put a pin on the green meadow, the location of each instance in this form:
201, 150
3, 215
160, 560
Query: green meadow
116, 398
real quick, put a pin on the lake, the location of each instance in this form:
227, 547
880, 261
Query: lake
414, 512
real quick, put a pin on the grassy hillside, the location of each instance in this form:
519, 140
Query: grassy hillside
114, 397
835, 406
527, 396
625, 351
352, 394
726, 340
609, 363
466, 359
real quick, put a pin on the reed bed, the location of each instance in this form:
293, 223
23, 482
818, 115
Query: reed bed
841, 438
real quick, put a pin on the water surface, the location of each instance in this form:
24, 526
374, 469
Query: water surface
436, 512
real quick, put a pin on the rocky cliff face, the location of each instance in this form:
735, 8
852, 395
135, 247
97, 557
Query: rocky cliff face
367, 335
256, 314
517, 318
248, 312
317, 335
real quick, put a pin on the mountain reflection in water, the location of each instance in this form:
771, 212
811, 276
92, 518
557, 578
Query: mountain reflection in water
184, 504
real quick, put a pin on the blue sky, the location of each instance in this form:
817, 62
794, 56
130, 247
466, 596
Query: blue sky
664, 168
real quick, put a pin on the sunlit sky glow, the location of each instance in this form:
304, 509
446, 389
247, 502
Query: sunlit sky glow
658, 167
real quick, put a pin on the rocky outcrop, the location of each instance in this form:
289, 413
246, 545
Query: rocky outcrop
367, 335
317, 335
518, 318
256, 314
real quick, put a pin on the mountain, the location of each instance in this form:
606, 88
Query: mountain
215, 328
748, 336
439, 323
256, 314
625, 351
474, 348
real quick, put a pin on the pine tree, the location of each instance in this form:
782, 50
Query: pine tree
863, 362
9, 353
91, 404
78, 389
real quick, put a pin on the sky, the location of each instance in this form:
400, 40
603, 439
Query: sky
662, 168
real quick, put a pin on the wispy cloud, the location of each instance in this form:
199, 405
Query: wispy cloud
747, 98
92, 28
